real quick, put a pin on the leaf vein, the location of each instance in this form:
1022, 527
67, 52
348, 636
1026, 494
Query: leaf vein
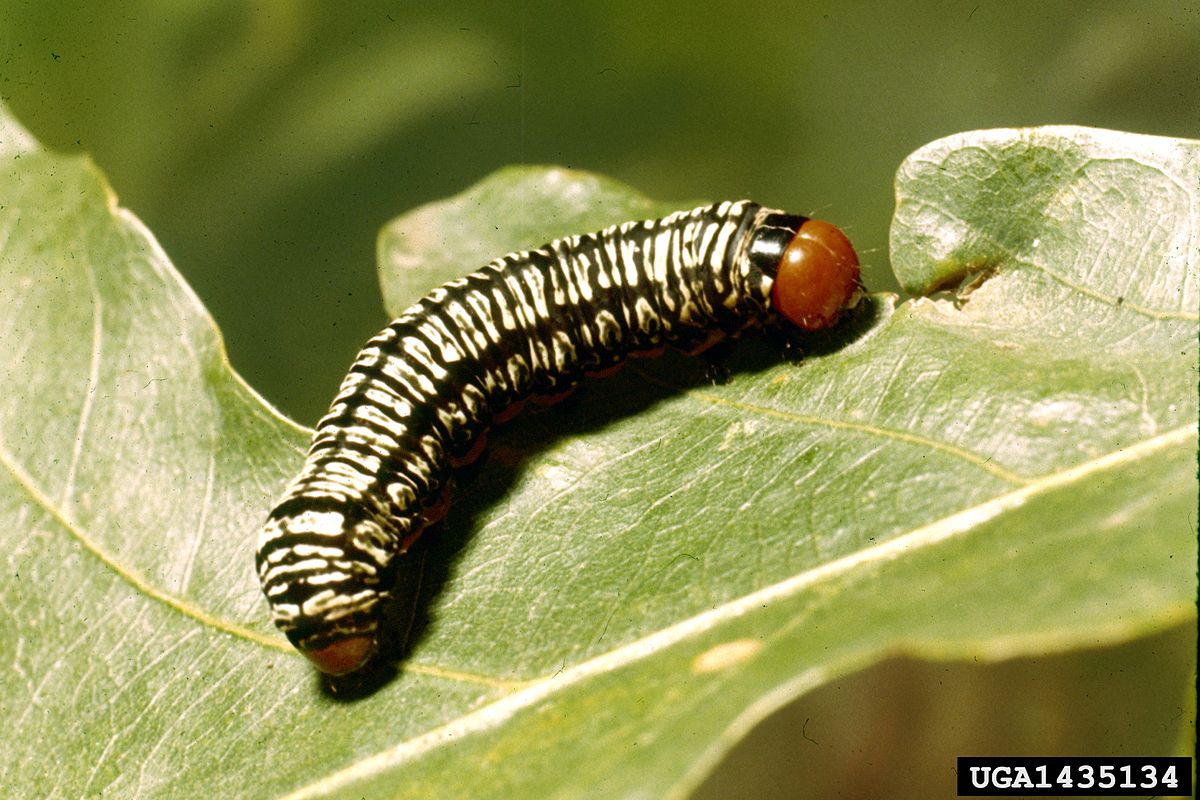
983, 462
93, 381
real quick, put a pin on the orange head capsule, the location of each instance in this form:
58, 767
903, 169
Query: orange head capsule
814, 267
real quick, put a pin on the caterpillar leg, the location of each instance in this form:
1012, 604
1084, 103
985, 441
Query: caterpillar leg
784, 339
716, 361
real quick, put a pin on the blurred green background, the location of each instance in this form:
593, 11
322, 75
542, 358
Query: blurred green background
265, 144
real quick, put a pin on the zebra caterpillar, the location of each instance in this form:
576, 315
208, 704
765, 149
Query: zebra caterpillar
421, 394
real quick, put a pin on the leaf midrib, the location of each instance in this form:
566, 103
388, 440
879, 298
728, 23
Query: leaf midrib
504, 708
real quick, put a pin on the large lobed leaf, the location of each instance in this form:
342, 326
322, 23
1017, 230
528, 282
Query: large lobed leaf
633, 580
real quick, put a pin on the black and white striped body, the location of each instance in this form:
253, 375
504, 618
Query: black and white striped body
422, 390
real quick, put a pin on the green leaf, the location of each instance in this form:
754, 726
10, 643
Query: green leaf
631, 581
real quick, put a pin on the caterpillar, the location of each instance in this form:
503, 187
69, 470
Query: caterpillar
421, 394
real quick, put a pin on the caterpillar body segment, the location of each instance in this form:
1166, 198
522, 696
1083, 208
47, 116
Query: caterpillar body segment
529, 325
